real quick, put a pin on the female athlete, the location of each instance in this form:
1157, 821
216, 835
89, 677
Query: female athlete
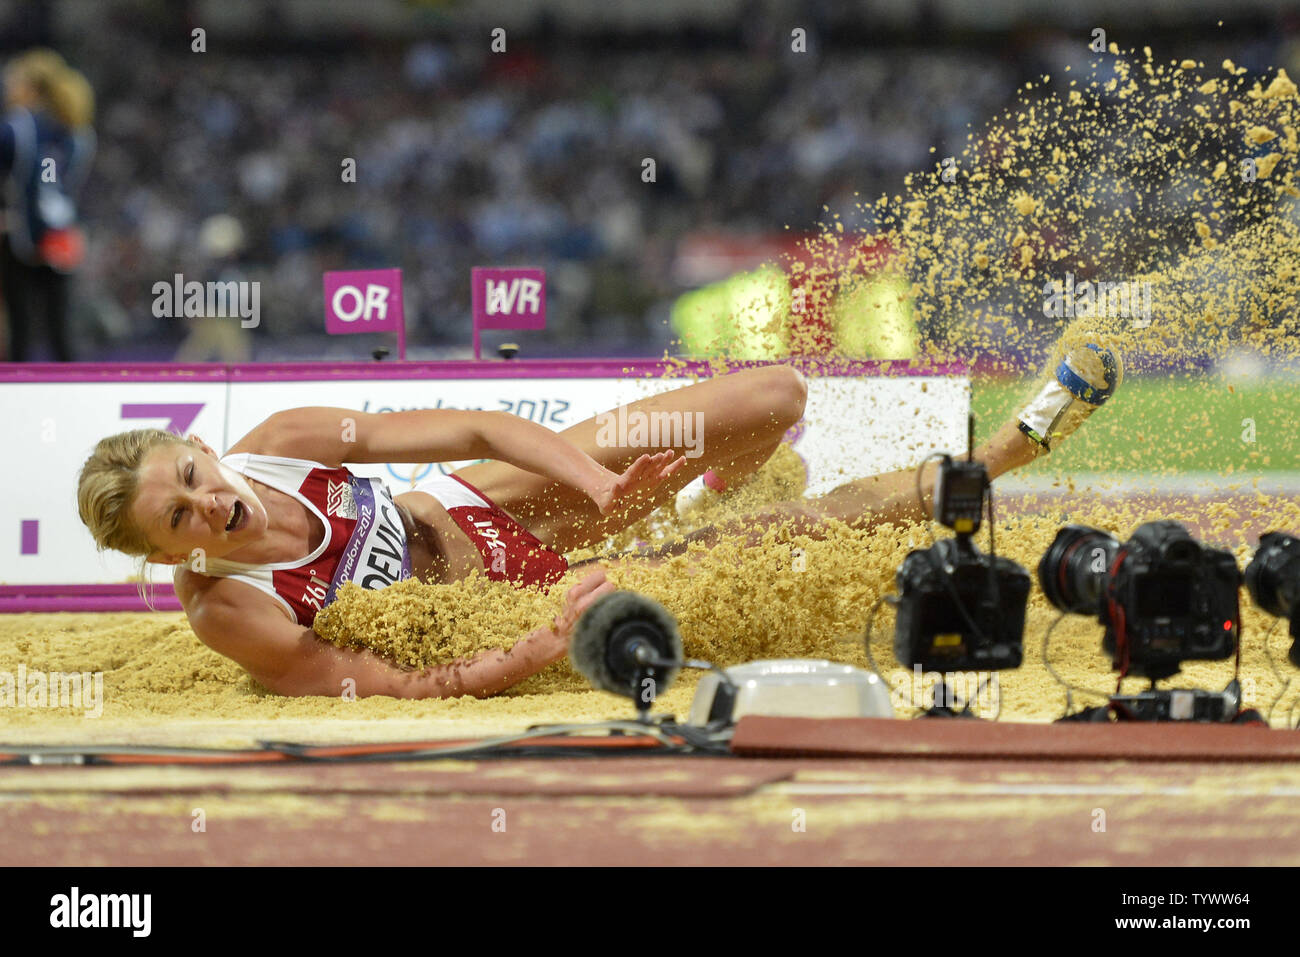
265, 535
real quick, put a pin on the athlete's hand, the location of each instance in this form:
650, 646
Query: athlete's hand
643, 475
578, 599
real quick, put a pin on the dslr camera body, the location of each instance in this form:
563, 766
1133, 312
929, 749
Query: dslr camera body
959, 609
1163, 597
1273, 579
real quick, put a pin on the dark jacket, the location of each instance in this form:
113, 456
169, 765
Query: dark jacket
37, 210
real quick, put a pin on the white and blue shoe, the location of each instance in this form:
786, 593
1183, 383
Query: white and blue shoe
1087, 377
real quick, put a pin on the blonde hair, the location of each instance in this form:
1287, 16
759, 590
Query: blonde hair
63, 91
106, 489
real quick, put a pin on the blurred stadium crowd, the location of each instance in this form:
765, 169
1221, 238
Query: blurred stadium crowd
231, 160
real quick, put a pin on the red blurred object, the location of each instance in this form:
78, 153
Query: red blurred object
828, 262
62, 249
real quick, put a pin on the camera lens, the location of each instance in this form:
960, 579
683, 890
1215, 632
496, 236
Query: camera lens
1073, 568
1273, 575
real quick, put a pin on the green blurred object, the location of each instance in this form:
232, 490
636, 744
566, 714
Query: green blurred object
742, 316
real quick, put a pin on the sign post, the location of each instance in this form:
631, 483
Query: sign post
365, 300
507, 299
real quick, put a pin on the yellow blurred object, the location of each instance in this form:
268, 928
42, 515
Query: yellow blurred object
749, 316
874, 319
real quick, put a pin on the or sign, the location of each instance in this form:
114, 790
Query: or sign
365, 300
507, 299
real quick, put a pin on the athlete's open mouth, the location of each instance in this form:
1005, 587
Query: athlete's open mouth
237, 516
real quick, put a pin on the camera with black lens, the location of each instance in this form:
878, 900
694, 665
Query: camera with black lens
1163, 596
1273, 578
959, 609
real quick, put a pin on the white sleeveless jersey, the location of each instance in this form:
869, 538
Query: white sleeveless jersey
365, 540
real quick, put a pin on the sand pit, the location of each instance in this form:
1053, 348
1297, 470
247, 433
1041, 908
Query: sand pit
162, 686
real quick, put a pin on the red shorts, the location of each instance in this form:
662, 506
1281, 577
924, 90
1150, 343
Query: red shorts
510, 552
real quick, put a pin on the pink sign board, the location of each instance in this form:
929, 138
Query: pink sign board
365, 300
507, 299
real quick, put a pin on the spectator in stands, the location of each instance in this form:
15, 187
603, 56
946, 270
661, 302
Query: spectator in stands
46, 145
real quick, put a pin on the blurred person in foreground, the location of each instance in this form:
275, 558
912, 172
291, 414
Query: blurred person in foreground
46, 146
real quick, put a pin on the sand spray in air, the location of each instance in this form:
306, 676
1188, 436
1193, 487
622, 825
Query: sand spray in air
1063, 188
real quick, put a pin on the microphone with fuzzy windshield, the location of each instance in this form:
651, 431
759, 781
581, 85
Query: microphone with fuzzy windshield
627, 644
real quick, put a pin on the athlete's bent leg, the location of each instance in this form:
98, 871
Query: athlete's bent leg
866, 502
742, 415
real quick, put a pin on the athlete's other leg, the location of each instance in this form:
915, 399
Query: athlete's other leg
866, 502
1071, 391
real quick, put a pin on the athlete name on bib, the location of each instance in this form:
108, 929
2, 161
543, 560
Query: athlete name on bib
376, 555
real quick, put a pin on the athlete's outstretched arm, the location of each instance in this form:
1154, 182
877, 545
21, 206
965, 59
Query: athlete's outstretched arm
293, 660
333, 436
